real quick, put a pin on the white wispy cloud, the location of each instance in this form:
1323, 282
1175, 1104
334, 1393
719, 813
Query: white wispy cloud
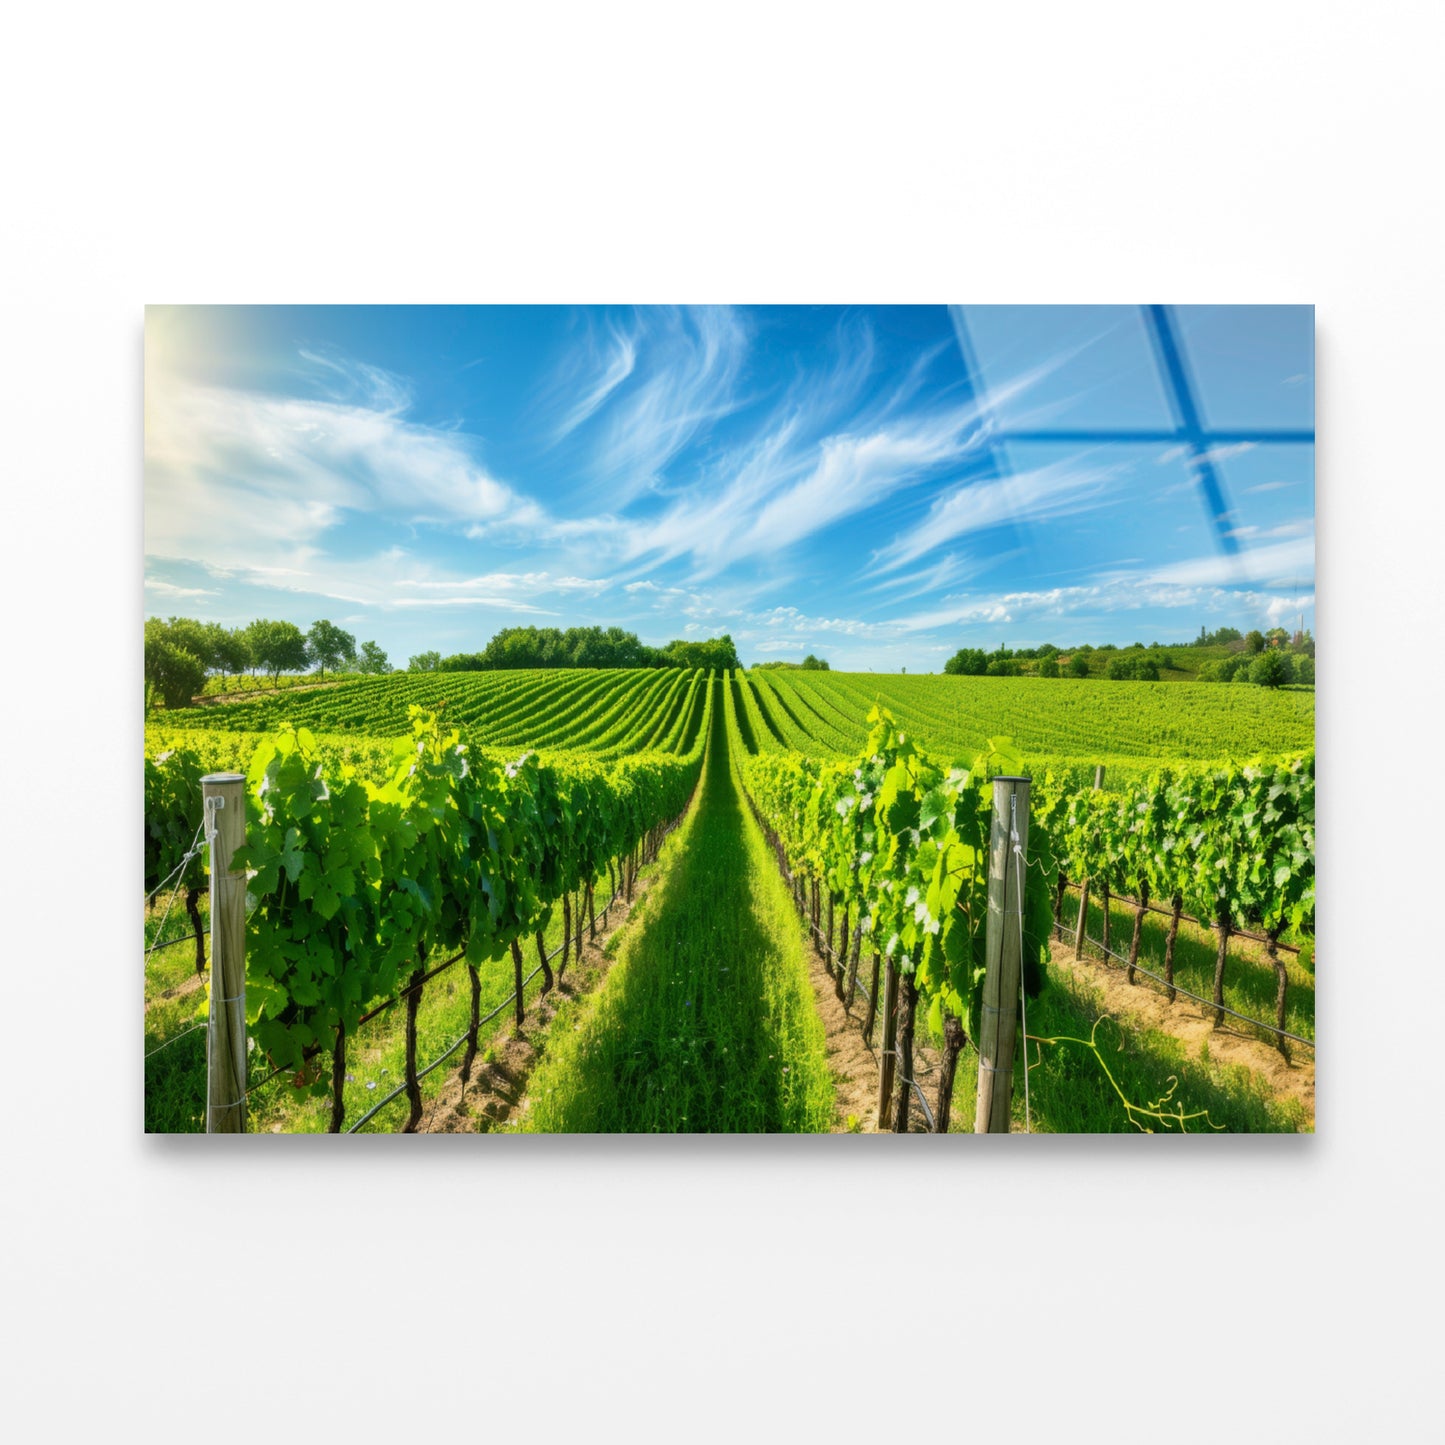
591, 375
667, 379
791, 619
1276, 564
503, 604
170, 589
231, 474
511, 583
1221, 453
1048, 492
792, 484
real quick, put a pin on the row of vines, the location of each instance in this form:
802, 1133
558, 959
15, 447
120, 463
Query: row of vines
1234, 846
901, 847
355, 884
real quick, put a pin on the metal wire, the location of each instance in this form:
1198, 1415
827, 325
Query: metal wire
1207, 1002
174, 873
171, 942
175, 1039
441, 1058
1187, 918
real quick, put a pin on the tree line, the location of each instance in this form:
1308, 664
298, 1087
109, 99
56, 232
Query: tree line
1269, 659
180, 653
528, 647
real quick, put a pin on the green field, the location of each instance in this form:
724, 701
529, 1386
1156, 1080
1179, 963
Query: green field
1131, 726
706, 1021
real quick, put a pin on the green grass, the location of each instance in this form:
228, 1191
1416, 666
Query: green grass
706, 1022
1070, 1093
1250, 983
175, 1077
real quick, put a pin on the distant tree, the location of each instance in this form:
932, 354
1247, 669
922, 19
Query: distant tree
1120, 669
228, 651
330, 646
1166, 660
967, 662
425, 662
815, 664
714, 652
278, 647
173, 672
1272, 668
1048, 667
1304, 670
1002, 667
1078, 665
1219, 637
372, 659
1254, 642
1276, 637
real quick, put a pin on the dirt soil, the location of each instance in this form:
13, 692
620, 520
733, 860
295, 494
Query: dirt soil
853, 1064
497, 1089
1145, 1004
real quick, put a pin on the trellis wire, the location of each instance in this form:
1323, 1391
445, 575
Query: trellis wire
1207, 1002
1152, 907
452, 1048
180, 868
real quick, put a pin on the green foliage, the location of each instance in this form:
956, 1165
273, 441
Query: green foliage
1130, 726
1079, 665
172, 672
425, 662
1272, 668
355, 880
715, 653
967, 662
707, 1021
1132, 667
815, 664
277, 647
1233, 842
608, 714
173, 810
330, 646
906, 841
372, 660
589, 647
1219, 636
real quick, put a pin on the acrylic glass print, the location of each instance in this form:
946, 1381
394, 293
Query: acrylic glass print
665, 719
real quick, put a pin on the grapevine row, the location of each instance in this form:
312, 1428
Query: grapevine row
355, 884
901, 846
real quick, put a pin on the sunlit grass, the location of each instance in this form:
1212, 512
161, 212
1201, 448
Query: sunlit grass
707, 1021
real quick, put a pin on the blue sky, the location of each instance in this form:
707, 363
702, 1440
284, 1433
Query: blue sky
879, 485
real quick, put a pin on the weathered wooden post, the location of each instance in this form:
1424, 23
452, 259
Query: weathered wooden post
1003, 944
224, 800
1084, 886
886, 1045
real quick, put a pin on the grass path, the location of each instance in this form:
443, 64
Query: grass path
706, 1023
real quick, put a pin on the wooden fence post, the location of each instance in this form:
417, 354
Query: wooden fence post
1084, 886
886, 1060
1003, 945
224, 800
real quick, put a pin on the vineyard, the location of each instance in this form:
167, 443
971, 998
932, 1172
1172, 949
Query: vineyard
718, 858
